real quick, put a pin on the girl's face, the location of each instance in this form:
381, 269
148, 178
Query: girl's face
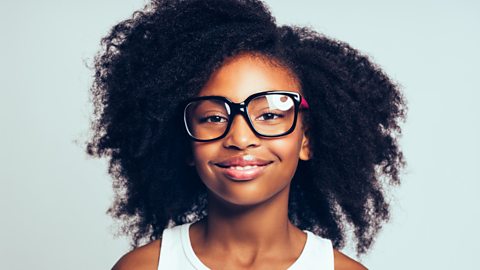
242, 168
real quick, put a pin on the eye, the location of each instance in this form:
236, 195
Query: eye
213, 119
269, 116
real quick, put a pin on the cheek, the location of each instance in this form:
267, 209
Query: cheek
287, 151
200, 151
202, 154
287, 148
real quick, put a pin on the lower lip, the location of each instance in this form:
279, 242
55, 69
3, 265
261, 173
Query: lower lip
243, 175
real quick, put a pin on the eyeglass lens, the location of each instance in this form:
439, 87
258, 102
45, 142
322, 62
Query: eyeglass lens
270, 115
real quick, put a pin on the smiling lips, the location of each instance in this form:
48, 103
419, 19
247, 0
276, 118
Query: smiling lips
242, 168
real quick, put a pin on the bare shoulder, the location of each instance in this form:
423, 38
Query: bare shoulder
141, 258
343, 262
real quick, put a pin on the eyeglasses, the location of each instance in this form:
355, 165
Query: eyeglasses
269, 114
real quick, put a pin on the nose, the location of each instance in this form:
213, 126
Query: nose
240, 136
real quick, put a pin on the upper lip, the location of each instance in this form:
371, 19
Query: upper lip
244, 160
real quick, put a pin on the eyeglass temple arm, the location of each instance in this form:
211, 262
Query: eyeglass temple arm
304, 104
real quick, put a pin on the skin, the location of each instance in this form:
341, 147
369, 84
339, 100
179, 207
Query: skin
247, 225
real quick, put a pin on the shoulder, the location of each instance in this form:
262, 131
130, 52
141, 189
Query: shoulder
343, 262
142, 258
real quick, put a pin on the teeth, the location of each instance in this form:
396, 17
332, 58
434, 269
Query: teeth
240, 168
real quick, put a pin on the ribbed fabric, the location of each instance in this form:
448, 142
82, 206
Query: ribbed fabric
177, 252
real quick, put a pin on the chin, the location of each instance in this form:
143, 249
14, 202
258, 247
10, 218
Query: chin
245, 199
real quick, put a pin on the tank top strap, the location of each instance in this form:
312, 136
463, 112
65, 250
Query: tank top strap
317, 254
172, 253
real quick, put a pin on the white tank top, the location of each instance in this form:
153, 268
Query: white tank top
177, 252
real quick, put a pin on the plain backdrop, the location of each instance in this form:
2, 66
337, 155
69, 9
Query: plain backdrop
53, 197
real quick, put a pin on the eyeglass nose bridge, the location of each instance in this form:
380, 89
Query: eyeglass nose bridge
239, 108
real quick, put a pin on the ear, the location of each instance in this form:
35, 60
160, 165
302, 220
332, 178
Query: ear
305, 153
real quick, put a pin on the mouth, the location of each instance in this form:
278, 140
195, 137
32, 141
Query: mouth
242, 173
242, 168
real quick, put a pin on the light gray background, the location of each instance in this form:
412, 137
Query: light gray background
53, 197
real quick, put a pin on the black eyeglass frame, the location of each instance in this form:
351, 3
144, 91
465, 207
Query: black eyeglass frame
241, 108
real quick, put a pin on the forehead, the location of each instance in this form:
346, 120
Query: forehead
246, 74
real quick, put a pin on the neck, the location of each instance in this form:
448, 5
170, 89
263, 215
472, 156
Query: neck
262, 225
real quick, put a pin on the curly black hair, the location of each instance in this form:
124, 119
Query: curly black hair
167, 51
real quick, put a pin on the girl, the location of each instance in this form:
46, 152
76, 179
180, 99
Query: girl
238, 144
